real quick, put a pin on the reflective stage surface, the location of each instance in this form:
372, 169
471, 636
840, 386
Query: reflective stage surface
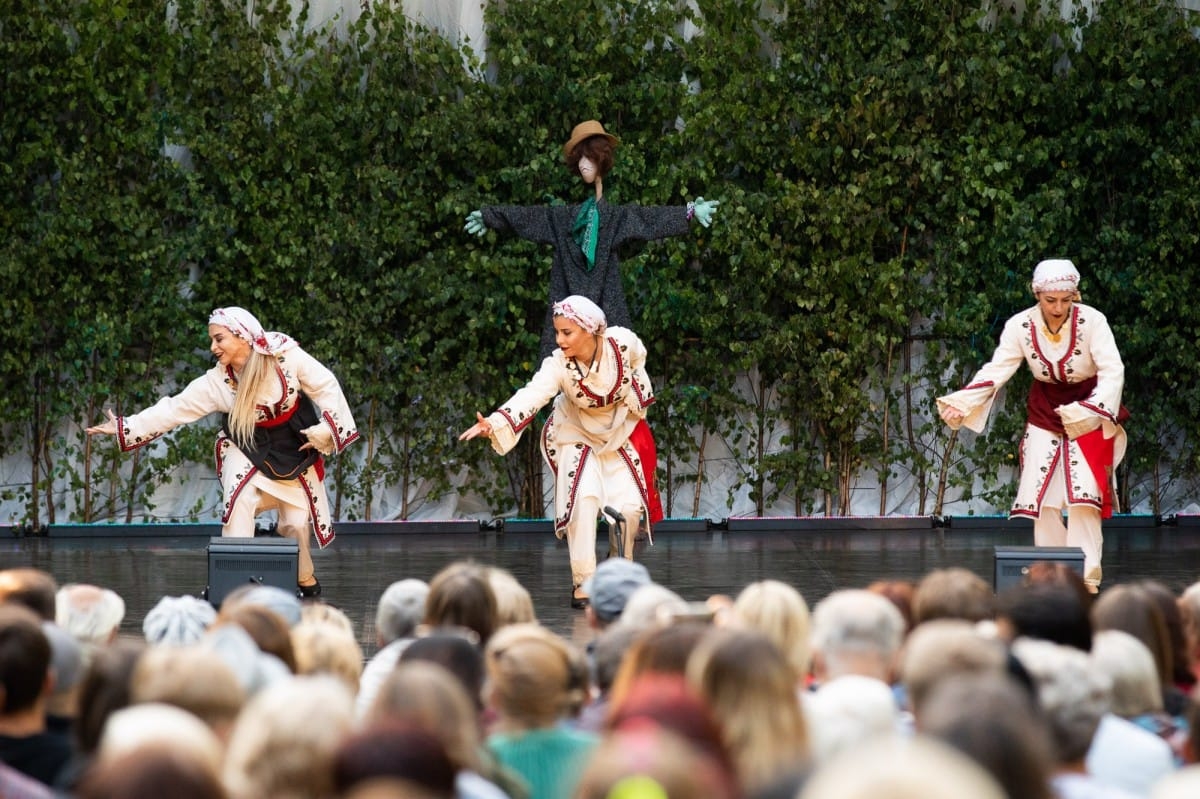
356, 569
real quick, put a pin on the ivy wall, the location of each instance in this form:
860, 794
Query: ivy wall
889, 175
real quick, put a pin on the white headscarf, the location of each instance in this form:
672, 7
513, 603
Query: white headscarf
1055, 274
583, 312
245, 326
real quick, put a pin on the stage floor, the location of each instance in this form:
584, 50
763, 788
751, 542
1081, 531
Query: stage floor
816, 558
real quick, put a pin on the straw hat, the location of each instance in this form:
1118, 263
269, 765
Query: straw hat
585, 130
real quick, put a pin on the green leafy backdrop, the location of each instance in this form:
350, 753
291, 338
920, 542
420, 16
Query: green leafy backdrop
889, 174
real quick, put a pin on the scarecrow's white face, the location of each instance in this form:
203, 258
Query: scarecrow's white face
587, 170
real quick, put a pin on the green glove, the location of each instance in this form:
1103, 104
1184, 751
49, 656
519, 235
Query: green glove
475, 224
704, 209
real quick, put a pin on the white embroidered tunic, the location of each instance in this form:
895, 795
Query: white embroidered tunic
595, 412
1054, 468
215, 391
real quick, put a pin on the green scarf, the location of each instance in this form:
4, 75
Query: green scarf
586, 230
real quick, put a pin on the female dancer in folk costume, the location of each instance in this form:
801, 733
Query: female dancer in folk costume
596, 440
1074, 437
284, 410
587, 237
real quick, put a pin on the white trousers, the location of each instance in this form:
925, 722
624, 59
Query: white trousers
293, 522
1082, 530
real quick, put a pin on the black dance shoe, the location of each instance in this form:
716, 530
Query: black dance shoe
309, 591
579, 602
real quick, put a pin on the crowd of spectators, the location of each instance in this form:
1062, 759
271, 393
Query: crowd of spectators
934, 688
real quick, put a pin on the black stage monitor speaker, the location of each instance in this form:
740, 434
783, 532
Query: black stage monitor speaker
234, 562
1012, 563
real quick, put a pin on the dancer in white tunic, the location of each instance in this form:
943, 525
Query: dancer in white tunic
596, 441
1074, 437
284, 411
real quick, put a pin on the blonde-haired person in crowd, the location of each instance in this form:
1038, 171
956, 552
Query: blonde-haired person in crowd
428, 696
778, 611
91, 614
326, 647
514, 605
596, 441
750, 686
283, 411
193, 679
1073, 438
284, 741
536, 680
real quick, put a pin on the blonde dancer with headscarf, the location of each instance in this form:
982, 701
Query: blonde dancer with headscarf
284, 410
1073, 436
596, 440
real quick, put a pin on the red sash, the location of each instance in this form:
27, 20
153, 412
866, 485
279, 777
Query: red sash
643, 441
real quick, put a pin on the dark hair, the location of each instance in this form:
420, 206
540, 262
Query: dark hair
460, 595
1049, 611
995, 723
104, 690
24, 658
598, 148
150, 772
394, 749
456, 654
900, 593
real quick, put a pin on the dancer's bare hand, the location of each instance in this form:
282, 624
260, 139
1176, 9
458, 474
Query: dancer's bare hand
481, 428
108, 428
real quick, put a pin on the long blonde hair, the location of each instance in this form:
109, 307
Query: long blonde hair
254, 374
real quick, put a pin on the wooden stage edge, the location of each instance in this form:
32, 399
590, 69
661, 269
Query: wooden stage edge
943, 525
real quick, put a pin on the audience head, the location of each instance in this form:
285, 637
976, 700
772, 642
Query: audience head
178, 621
1133, 608
286, 737
25, 675
535, 678
901, 768
106, 688
458, 654
193, 679
514, 605
652, 762
132, 728
669, 702
1172, 614
843, 713
1126, 661
953, 593
1071, 693
91, 614
66, 665
33, 588
394, 750
427, 696
993, 720
658, 650
269, 631
325, 647
1058, 573
461, 595
610, 587
285, 603
751, 688
778, 611
939, 648
254, 668
653, 605
401, 608
856, 631
151, 771
900, 592
1047, 611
